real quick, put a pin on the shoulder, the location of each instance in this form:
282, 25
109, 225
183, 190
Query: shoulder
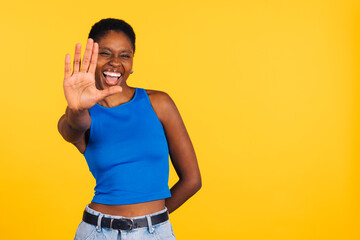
162, 103
158, 97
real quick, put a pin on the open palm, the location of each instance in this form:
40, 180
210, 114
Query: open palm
79, 87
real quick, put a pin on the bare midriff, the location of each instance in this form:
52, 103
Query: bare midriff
130, 210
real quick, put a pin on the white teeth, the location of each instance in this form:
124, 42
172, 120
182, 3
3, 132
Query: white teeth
112, 74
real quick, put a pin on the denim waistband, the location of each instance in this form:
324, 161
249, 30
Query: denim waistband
92, 211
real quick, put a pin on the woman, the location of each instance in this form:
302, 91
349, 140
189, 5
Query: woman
126, 135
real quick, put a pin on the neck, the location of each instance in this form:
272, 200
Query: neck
117, 99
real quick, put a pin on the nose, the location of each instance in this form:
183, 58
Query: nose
115, 62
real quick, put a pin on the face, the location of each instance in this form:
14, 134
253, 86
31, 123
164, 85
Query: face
115, 60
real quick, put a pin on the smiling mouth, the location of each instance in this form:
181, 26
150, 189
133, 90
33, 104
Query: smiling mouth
111, 78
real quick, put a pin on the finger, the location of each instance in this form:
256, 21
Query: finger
77, 58
87, 56
107, 92
67, 66
94, 58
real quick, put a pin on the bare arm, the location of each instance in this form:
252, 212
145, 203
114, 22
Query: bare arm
73, 125
81, 94
181, 150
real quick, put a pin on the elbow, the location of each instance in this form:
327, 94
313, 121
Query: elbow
195, 184
60, 127
191, 184
198, 184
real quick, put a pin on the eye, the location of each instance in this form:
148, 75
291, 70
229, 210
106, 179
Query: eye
105, 54
125, 56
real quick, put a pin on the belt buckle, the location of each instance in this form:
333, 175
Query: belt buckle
130, 224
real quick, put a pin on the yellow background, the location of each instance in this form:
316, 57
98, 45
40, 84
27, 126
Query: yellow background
268, 90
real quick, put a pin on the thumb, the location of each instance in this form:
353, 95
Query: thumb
107, 92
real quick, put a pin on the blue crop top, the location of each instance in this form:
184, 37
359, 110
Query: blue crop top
127, 153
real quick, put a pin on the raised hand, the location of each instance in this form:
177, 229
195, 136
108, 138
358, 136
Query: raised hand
79, 87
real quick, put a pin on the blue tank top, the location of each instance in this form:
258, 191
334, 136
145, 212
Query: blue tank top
127, 153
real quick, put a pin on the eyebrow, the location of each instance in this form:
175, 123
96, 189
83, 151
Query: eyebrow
129, 51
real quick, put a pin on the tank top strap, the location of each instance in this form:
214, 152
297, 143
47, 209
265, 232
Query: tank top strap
140, 94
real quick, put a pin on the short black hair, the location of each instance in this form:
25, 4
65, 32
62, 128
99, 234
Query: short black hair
102, 27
